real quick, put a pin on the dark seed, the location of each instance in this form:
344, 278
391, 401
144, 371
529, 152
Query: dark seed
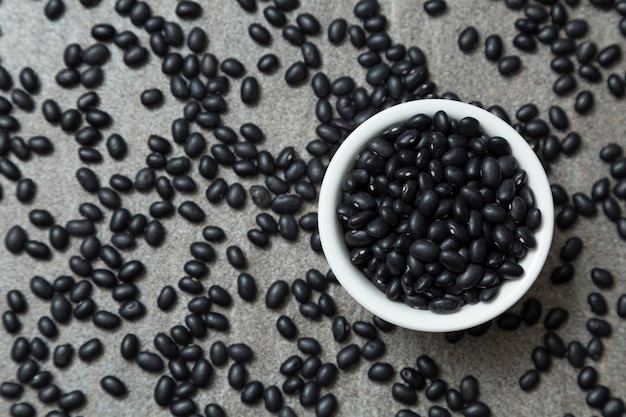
404, 394
427, 367
296, 73
106, 320
468, 39
348, 356
493, 47
337, 31
602, 278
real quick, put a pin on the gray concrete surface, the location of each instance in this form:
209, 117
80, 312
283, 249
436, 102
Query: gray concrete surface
287, 117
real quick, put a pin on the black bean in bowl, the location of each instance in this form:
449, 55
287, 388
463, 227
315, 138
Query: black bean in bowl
437, 214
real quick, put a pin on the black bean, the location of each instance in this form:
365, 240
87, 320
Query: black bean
214, 410
16, 239
337, 31
597, 303
435, 7
566, 217
164, 390
600, 189
562, 65
468, 39
493, 47
276, 294
27, 371
555, 318
90, 350
51, 111
308, 24
29, 80
595, 348
380, 372
378, 41
296, 73
621, 306
23, 409
116, 146
11, 390
541, 358
427, 367
599, 327
529, 380
602, 278
348, 356
584, 204
597, 396
607, 56
71, 400
576, 354
25, 190
37, 250
572, 248
113, 386
310, 367
54, 9
309, 394
41, 218
11, 322
616, 85
286, 327
404, 394
525, 42
106, 320
292, 385
252, 392
16, 301
60, 308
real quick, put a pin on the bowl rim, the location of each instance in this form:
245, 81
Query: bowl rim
362, 290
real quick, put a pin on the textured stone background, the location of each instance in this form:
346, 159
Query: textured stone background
287, 117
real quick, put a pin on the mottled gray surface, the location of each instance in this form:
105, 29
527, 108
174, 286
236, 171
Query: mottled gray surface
287, 117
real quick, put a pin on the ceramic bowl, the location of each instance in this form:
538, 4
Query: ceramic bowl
360, 287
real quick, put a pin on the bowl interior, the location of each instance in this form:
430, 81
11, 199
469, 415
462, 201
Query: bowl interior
362, 290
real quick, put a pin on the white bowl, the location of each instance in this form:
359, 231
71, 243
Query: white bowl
360, 287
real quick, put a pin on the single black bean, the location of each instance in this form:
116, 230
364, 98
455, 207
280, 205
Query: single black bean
572, 248
309, 395
529, 380
337, 31
15, 239
584, 204
427, 366
164, 390
296, 73
564, 84
113, 386
602, 278
106, 320
90, 350
71, 400
348, 356
11, 390
404, 394
616, 85
599, 327
555, 318
597, 396
468, 39
607, 56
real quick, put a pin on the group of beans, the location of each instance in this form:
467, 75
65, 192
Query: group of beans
200, 80
437, 214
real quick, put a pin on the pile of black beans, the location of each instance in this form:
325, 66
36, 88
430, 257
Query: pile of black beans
437, 214
96, 240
